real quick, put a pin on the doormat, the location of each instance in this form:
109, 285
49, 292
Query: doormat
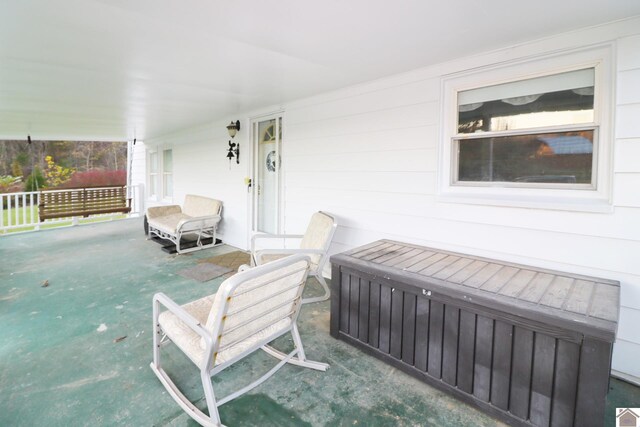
232, 260
204, 272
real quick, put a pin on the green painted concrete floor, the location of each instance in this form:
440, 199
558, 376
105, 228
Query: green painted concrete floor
61, 363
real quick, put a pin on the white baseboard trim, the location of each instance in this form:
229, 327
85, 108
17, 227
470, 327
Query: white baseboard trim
625, 377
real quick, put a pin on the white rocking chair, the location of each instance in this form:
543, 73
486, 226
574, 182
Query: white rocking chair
315, 243
250, 310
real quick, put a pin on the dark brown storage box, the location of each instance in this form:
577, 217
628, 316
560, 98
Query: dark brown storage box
526, 345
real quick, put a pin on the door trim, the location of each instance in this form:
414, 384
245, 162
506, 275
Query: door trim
253, 203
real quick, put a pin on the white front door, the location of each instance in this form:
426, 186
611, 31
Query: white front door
267, 146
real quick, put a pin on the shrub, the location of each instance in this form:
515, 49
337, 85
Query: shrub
10, 184
56, 175
35, 181
16, 169
96, 178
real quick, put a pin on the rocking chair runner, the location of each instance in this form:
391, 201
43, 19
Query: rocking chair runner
250, 310
315, 243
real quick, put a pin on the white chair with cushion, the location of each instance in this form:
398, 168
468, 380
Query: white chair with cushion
199, 216
314, 243
250, 310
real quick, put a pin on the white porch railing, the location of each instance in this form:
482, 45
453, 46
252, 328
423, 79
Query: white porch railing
19, 211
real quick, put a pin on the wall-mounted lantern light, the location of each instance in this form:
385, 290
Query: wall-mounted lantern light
234, 149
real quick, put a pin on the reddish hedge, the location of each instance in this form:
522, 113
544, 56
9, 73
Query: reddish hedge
96, 178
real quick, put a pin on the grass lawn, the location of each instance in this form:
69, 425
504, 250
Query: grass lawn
20, 212
21, 215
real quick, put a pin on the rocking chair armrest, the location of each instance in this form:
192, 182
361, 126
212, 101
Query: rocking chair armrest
290, 251
257, 255
159, 211
181, 313
272, 236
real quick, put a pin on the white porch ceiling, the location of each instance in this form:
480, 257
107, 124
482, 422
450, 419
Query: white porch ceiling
115, 69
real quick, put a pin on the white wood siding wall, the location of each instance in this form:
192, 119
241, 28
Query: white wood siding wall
369, 155
627, 201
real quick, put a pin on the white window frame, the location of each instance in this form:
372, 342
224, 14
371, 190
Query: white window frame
165, 174
160, 196
582, 197
153, 176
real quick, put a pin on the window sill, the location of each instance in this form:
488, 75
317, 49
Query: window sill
547, 202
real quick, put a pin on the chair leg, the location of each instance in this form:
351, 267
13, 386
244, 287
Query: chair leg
209, 421
156, 335
327, 292
178, 239
210, 397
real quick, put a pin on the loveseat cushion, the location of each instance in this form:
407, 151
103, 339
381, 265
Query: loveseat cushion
169, 223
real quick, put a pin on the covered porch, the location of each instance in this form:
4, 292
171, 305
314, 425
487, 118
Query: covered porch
65, 361
339, 108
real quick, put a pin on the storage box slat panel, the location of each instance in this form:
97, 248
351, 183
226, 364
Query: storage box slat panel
450, 345
385, 318
498, 280
408, 328
354, 305
557, 292
536, 288
422, 333
593, 381
579, 298
452, 269
413, 260
363, 250
345, 289
482, 361
542, 379
438, 266
374, 315
605, 297
399, 260
467, 272
363, 311
436, 325
566, 380
484, 274
380, 252
395, 340
421, 265
391, 256
521, 376
466, 351
501, 369
517, 283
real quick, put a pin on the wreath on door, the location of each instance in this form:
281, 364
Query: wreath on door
271, 161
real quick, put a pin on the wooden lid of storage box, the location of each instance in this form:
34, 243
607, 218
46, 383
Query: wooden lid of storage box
585, 304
